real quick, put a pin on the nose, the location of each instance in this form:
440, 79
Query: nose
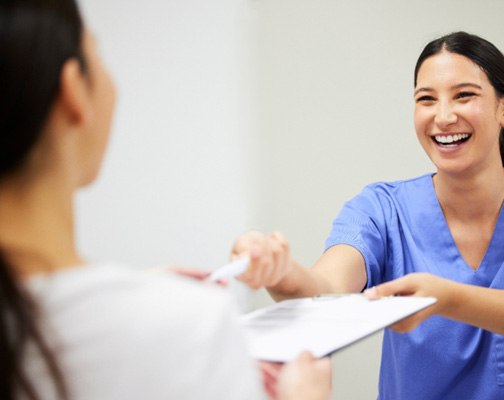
445, 115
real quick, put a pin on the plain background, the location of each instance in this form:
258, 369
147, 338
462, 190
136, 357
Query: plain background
266, 114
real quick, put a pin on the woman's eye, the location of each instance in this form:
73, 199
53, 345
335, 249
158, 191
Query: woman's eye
465, 95
425, 99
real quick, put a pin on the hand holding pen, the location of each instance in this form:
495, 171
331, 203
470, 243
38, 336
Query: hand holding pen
269, 256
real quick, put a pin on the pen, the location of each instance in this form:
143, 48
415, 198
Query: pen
230, 270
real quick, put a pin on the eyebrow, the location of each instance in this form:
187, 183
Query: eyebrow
458, 86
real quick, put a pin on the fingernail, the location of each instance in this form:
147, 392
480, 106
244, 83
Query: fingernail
255, 252
371, 293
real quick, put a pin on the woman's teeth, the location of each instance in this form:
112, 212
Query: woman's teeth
451, 139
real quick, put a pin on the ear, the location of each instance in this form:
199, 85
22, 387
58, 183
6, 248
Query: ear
500, 114
73, 96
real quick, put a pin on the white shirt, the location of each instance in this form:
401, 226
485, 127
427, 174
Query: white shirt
126, 334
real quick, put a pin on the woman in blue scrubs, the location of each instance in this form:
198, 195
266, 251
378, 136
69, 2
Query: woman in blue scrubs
439, 234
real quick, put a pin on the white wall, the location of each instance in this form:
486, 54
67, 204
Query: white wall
175, 187
258, 113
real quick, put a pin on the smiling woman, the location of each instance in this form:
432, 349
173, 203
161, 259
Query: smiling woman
459, 111
446, 227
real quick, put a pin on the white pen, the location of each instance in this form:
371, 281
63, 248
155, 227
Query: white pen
230, 270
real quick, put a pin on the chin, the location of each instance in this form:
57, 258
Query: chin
88, 179
455, 170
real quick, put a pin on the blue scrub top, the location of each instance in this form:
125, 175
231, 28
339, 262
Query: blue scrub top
400, 228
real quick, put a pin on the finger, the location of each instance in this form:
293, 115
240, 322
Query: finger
260, 255
270, 368
324, 366
270, 373
244, 242
257, 252
271, 390
277, 257
411, 322
281, 257
280, 238
189, 272
396, 287
305, 356
406, 325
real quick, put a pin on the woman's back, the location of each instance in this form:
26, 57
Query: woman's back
126, 334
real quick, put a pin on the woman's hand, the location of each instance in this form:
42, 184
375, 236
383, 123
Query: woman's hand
269, 255
417, 284
305, 378
188, 272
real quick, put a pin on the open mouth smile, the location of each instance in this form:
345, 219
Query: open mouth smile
451, 140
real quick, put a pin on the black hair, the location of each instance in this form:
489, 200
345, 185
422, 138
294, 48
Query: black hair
36, 38
478, 50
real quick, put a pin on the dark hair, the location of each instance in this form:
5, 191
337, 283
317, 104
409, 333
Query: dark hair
478, 50
36, 38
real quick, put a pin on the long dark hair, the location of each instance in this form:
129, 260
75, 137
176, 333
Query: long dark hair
36, 38
478, 50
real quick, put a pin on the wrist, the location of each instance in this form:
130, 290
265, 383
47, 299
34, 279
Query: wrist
454, 295
291, 284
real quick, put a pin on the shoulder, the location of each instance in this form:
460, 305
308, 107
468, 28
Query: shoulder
397, 192
142, 334
416, 184
381, 201
119, 292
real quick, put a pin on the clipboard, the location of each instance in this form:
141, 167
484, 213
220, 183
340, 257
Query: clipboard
323, 324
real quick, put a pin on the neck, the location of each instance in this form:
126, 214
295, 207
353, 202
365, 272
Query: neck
36, 225
478, 196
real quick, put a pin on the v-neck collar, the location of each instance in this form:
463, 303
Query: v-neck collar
495, 251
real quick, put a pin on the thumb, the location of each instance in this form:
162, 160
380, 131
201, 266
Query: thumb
305, 356
386, 289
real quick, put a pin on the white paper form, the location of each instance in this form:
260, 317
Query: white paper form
321, 325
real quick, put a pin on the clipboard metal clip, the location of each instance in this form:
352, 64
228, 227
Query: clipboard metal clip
333, 296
